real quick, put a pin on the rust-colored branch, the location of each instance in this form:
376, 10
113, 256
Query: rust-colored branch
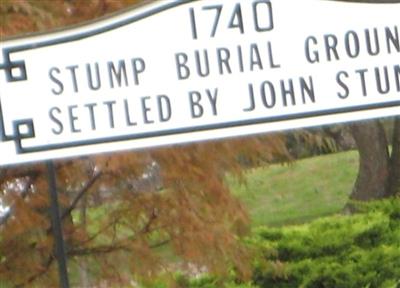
97, 250
37, 275
80, 194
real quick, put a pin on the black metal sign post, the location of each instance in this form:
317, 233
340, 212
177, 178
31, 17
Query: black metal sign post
57, 226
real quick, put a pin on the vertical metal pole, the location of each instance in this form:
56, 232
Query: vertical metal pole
57, 226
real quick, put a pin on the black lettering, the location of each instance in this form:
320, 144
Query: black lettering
331, 46
307, 89
73, 118
92, 86
271, 57
212, 97
223, 56
60, 128
361, 73
397, 75
72, 69
146, 110
206, 67
255, 58
118, 75
218, 9
193, 23
110, 110
164, 108
343, 85
237, 19
91, 114
181, 67
129, 122
252, 101
272, 97
195, 107
138, 67
270, 23
314, 57
287, 91
372, 50
352, 50
382, 86
60, 85
392, 39
240, 54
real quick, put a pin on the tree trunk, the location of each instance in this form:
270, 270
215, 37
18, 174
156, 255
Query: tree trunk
394, 181
374, 167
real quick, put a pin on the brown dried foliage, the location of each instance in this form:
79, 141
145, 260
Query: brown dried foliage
112, 225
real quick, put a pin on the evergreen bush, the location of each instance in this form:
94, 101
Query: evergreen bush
362, 250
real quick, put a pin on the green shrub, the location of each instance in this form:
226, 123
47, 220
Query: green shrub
209, 282
362, 250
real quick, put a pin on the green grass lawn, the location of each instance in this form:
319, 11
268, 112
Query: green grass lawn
298, 192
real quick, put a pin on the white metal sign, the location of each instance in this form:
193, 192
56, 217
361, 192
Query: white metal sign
180, 71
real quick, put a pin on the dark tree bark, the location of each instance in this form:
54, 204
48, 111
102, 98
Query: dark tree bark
394, 181
379, 171
374, 168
